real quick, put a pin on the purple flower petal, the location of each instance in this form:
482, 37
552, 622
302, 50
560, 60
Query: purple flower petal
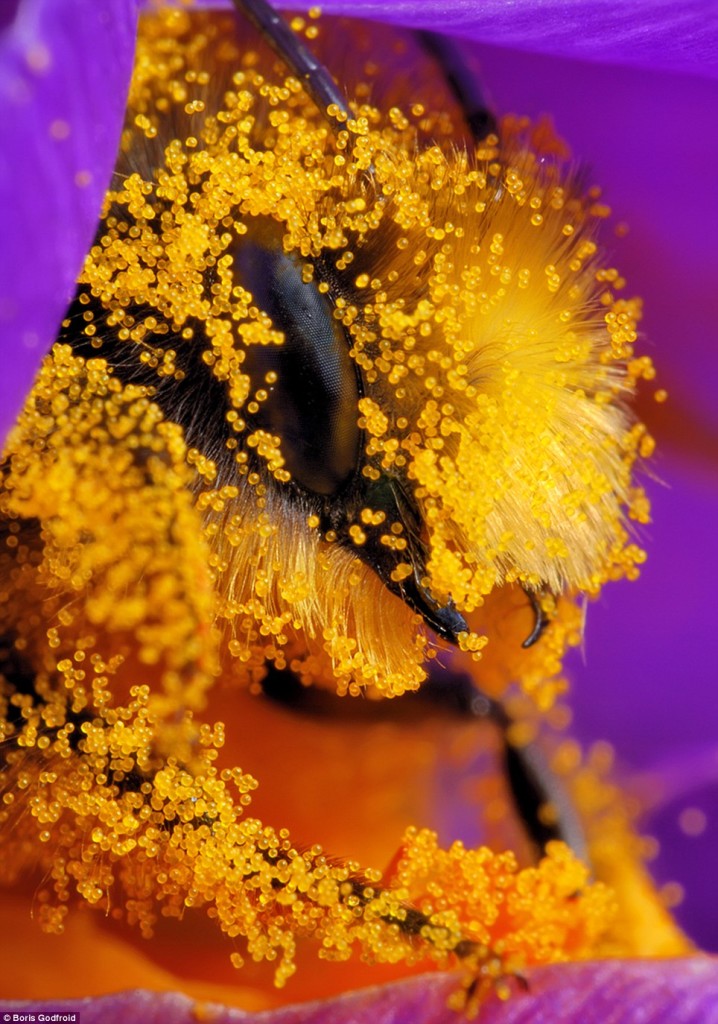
7, 13
64, 70
655, 34
648, 685
622, 992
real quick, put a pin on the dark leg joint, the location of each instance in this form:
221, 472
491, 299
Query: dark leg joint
541, 619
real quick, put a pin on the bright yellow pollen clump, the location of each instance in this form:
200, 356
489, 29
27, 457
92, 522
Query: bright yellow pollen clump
496, 360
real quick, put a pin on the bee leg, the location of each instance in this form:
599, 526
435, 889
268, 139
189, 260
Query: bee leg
540, 800
299, 59
464, 83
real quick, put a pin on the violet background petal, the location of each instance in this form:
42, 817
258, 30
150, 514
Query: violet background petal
648, 685
628, 992
62, 63
655, 34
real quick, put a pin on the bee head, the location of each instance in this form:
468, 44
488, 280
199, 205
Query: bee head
402, 370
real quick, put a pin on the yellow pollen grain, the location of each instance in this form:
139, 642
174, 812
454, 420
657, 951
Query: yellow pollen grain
692, 821
60, 130
38, 57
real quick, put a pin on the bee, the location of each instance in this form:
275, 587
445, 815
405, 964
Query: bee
345, 387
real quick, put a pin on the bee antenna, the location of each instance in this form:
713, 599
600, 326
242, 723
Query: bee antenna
299, 59
463, 82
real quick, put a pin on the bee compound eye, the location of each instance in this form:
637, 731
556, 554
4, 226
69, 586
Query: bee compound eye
312, 398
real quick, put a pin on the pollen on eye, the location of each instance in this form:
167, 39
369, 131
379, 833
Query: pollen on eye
358, 536
402, 572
